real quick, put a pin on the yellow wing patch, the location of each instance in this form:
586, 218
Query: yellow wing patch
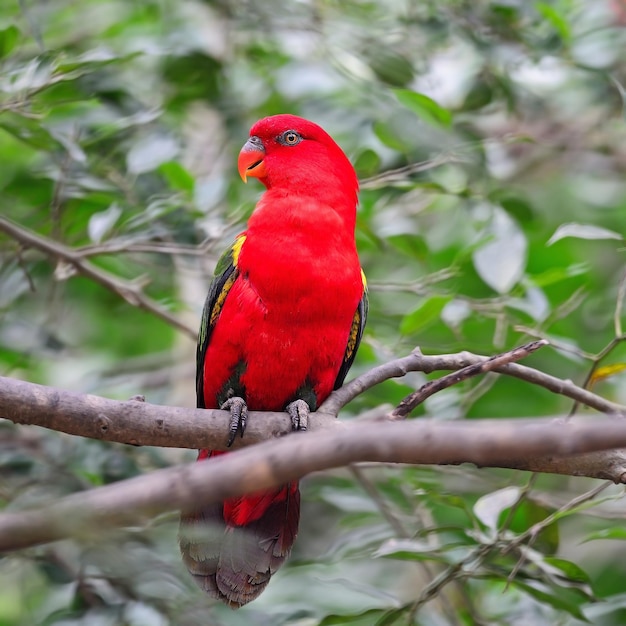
237, 248
354, 336
221, 298
224, 278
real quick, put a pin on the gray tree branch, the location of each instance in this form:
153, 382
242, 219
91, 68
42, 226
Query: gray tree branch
418, 362
141, 423
583, 449
133, 501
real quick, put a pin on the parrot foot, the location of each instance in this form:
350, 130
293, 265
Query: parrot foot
238, 417
299, 412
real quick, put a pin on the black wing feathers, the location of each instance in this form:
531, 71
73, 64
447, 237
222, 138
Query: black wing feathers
224, 278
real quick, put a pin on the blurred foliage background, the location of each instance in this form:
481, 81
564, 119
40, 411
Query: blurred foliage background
490, 140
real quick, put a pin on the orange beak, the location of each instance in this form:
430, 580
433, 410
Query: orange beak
250, 161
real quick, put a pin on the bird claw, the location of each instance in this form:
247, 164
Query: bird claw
299, 412
238, 417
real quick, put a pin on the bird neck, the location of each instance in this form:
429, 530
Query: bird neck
324, 206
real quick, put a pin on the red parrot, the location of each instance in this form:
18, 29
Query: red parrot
280, 329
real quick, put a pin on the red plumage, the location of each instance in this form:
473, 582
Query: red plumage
282, 322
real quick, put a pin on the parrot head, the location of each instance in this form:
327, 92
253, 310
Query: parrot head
293, 154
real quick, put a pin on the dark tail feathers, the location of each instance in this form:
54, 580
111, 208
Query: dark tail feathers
234, 562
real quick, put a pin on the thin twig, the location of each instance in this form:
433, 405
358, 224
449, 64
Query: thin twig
431, 387
523, 494
596, 360
418, 362
403, 533
116, 246
132, 292
619, 303
56, 203
401, 174
370, 488
531, 534
561, 346
535, 529
453, 572
457, 154
416, 286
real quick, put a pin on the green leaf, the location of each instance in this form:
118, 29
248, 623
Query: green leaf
389, 138
150, 152
590, 504
177, 176
558, 274
74, 151
518, 207
408, 550
427, 313
480, 95
8, 40
101, 223
424, 107
488, 508
367, 163
572, 571
501, 261
361, 619
607, 533
15, 461
560, 599
348, 500
391, 617
556, 20
583, 231
410, 245
391, 67
529, 513
31, 132
91, 60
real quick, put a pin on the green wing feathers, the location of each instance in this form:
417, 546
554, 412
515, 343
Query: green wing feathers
223, 279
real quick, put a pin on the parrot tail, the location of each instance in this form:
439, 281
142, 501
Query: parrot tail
232, 548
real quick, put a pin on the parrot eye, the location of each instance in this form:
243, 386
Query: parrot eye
290, 138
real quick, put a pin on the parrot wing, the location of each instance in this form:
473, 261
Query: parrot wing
354, 338
224, 277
